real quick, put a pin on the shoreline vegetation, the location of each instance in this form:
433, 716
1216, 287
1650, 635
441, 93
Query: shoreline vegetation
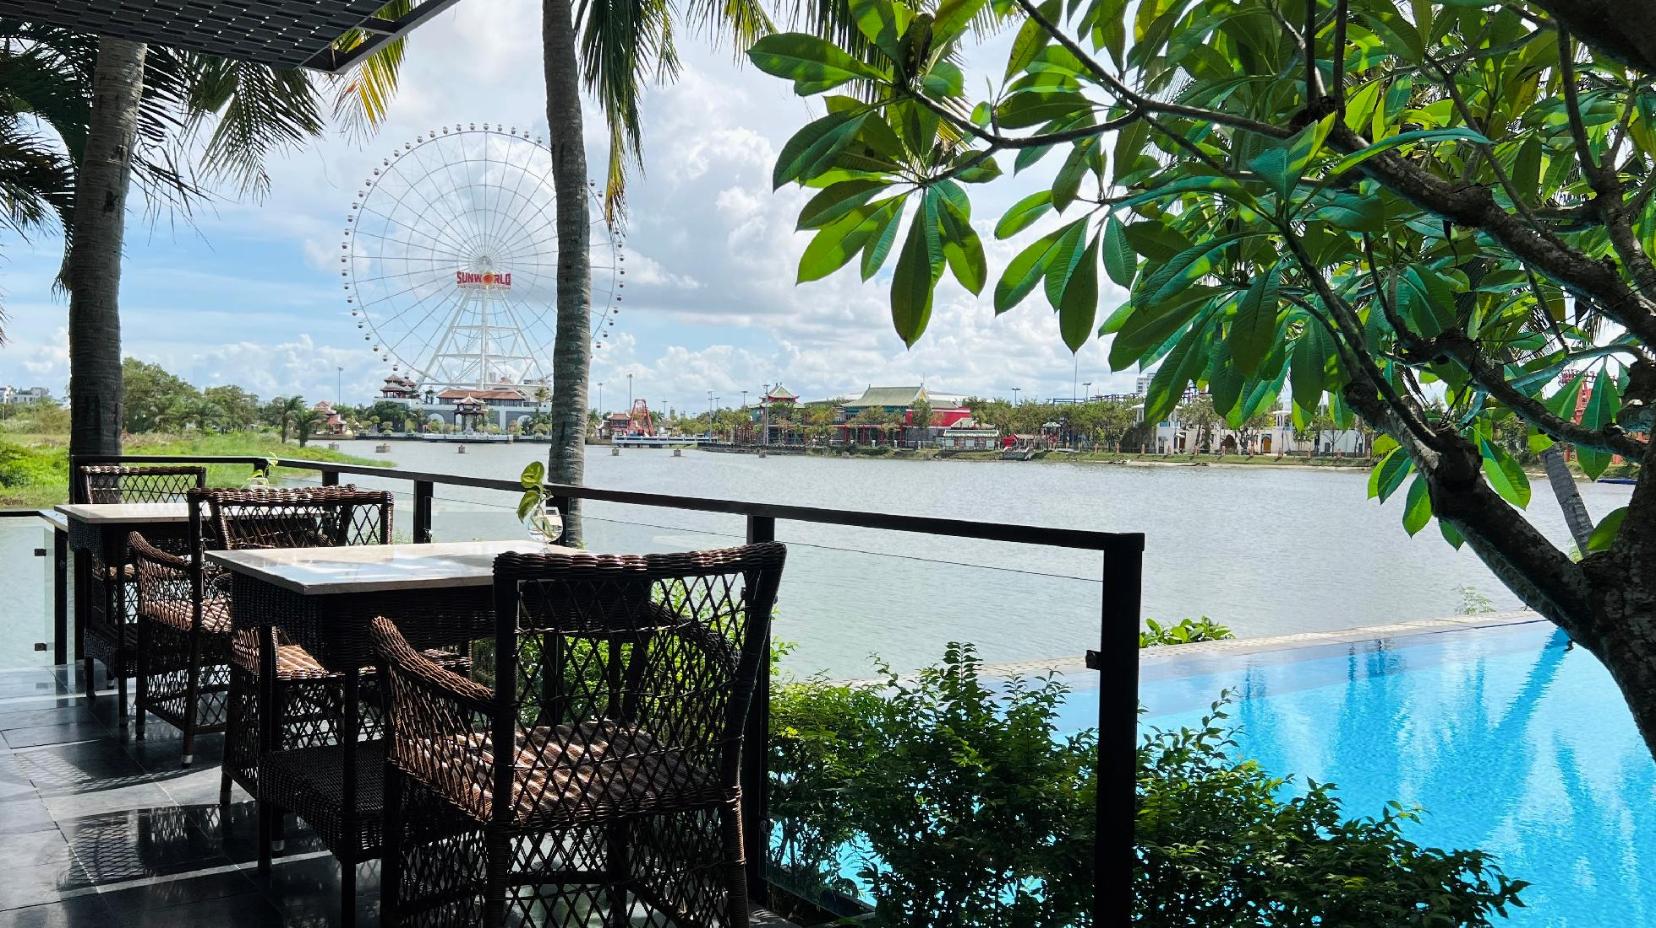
34, 468
1123, 458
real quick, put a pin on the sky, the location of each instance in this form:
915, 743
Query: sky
248, 292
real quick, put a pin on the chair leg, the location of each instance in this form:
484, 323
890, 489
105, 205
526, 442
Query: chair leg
89, 681
391, 849
142, 701
231, 731
347, 893
267, 817
192, 697
498, 847
618, 867
736, 888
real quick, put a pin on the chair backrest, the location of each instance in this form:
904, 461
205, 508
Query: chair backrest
661, 651
301, 517
120, 483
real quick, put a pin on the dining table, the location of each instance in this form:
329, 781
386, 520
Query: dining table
440, 594
97, 534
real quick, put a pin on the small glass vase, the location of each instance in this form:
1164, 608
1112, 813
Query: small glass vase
545, 523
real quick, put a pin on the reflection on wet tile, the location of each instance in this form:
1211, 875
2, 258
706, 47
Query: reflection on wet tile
87, 911
38, 868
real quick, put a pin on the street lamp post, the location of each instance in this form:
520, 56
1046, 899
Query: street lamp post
629, 395
1015, 391
600, 397
339, 386
1087, 394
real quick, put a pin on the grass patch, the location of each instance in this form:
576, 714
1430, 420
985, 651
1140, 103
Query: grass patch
34, 469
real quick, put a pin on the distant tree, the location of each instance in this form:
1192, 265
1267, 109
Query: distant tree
1198, 414
283, 412
385, 411
920, 417
304, 423
238, 409
155, 399
1247, 433
818, 422
995, 413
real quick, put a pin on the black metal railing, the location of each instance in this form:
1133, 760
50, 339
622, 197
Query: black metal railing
1115, 659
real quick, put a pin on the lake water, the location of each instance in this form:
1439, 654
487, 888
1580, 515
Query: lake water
1265, 550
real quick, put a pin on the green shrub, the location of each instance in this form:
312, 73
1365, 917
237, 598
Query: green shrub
964, 807
1186, 631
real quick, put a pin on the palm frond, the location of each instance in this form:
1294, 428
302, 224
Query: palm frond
622, 45
37, 181
256, 109
362, 98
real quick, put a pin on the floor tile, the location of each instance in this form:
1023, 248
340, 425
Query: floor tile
38, 868
137, 845
86, 911
249, 910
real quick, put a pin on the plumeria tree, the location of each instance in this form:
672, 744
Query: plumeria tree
1432, 216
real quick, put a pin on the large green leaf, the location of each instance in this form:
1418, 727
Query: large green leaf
1079, 306
1604, 534
809, 60
1308, 368
878, 246
961, 247
1024, 213
882, 23
1603, 402
1119, 259
835, 243
1066, 257
1152, 324
1388, 475
1254, 330
913, 282
1185, 268
1281, 166
815, 145
837, 199
1417, 509
1504, 473
1026, 269
1404, 138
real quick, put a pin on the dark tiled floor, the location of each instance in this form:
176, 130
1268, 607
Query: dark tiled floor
98, 830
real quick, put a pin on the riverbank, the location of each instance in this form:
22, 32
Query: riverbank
1058, 456
34, 469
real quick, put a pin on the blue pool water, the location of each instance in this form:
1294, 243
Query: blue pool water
1511, 743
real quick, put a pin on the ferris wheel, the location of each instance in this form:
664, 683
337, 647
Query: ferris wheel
450, 259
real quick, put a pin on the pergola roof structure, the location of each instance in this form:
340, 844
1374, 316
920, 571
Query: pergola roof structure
280, 33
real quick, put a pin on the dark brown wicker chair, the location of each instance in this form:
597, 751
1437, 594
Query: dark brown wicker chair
622, 683
199, 675
111, 633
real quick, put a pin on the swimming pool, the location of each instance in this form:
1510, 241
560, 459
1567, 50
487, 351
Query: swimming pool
1511, 743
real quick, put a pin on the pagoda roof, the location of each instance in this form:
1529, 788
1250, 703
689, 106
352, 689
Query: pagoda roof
494, 393
888, 396
781, 393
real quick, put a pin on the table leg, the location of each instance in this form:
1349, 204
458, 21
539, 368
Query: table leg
349, 843
116, 597
267, 740
60, 597
83, 608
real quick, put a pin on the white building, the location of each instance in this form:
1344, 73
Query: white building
10, 395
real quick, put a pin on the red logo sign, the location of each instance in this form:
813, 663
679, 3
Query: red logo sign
487, 279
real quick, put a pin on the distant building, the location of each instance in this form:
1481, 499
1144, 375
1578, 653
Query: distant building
898, 403
966, 435
11, 395
502, 404
332, 422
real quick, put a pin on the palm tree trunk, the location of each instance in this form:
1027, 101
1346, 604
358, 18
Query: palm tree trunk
93, 265
1568, 496
572, 351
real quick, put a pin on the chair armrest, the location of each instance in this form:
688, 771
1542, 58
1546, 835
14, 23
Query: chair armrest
412, 667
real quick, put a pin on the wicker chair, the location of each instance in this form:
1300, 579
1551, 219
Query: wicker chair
200, 675
111, 632
623, 683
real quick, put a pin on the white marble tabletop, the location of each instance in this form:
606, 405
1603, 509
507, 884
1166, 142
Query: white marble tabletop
376, 568
126, 512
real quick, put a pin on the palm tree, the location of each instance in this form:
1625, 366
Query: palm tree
288, 411
613, 49
140, 106
305, 422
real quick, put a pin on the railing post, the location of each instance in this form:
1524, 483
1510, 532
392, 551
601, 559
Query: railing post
756, 753
1117, 663
422, 512
330, 478
560, 503
60, 596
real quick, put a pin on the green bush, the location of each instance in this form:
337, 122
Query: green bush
964, 807
1186, 631
23, 467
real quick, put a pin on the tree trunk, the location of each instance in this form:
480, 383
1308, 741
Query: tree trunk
572, 350
1568, 496
93, 271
